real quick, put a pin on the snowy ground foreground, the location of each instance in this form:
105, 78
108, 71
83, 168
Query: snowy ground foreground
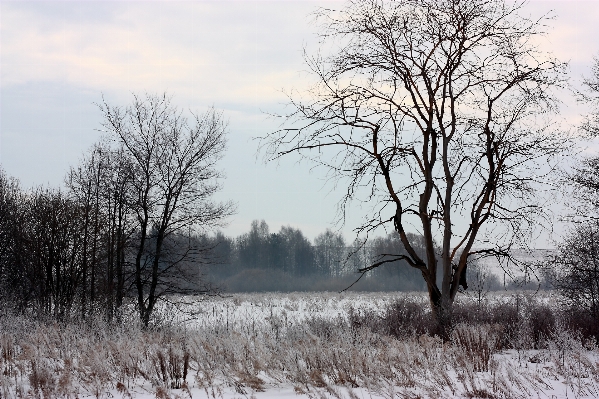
289, 345
244, 311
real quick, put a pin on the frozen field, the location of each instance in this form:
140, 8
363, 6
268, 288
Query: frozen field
240, 311
290, 345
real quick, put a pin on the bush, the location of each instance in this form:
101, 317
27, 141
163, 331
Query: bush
519, 321
579, 320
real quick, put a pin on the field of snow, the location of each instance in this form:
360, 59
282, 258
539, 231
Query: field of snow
299, 345
241, 311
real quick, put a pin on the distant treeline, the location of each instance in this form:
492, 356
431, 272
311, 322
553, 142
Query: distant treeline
287, 261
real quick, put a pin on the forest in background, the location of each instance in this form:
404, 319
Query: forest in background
261, 260
59, 253
73, 250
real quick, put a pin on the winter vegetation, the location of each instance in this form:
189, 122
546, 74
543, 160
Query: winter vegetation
352, 345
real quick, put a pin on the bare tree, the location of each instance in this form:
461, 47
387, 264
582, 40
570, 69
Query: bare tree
100, 185
42, 241
173, 178
576, 268
11, 283
433, 112
330, 251
45, 251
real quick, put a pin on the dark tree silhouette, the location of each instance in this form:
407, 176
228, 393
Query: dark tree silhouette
576, 269
100, 185
42, 247
173, 178
432, 112
12, 288
330, 253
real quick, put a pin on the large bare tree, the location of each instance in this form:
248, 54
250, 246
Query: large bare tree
170, 186
576, 263
436, 113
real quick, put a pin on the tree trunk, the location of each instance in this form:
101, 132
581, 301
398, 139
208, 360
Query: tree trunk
442, 311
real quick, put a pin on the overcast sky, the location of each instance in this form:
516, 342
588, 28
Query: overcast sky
59, 58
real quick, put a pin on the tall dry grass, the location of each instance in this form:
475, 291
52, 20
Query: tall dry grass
511, 349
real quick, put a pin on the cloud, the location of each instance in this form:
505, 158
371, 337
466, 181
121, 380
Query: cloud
57, 57
573, 31
210, 51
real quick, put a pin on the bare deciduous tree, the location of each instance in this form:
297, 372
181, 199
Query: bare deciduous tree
100, 185
577, 268
173, 178
437, 110
590, 95
12, 287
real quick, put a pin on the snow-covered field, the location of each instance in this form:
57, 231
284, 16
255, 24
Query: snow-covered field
289, 345
240, 311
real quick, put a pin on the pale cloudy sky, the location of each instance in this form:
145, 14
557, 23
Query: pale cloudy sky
58, 58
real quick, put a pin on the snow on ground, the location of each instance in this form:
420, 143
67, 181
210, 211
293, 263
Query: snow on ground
235, 339
242, 310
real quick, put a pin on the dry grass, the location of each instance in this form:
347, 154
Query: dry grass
316, 357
